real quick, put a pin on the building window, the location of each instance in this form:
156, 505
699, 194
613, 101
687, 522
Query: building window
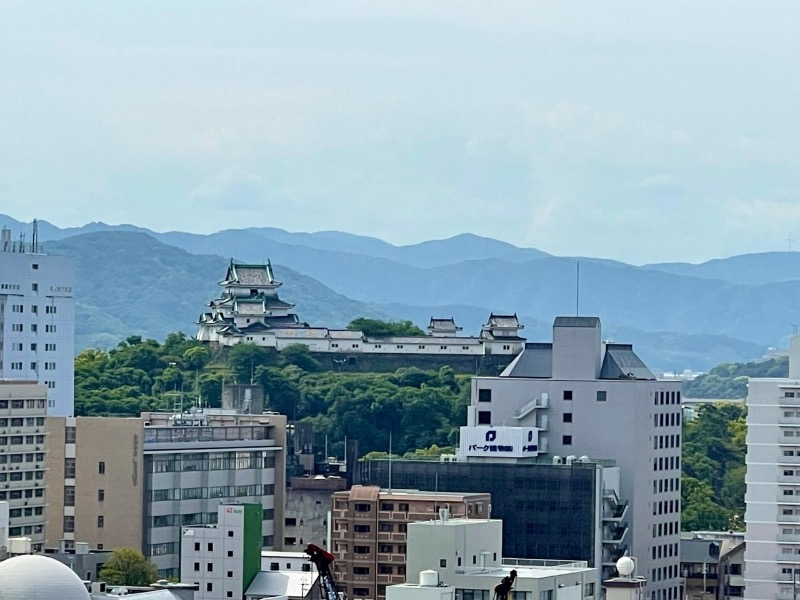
361, 507
230, 573
443, 563
360, 570
601, 395
209, 587
69, 435
566, 440
484, 395
100, 521
101, 495
69, 524
484, 417
197, 566
274, 566
210, 567
101, 468
567, 417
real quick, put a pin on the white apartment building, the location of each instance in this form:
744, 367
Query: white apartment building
772, 516
580, 396
223, 559
23, 406
467, 555
37, 320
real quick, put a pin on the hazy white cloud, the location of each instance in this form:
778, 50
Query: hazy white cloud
233, 189
580, 127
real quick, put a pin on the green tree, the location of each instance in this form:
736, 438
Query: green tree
244, 359
378, 328
281, 394
300, 356
128, 566
196, 357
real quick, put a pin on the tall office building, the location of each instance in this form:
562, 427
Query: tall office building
37, 320
23, 406
136, 481
580, 396
772, 516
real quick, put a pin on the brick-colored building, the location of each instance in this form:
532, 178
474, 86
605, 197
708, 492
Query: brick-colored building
368, 532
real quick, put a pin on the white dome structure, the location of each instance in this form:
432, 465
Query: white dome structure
36, 577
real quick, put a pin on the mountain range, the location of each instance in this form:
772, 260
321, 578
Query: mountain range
679, 315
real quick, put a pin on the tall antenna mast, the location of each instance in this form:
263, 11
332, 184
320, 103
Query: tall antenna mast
390, 460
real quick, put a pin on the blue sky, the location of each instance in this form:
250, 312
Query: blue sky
637, 131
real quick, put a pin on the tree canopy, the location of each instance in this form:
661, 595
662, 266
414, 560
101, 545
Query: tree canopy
713, 467
378, 328
128, 566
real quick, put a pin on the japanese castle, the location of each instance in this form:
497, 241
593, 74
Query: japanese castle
250, 311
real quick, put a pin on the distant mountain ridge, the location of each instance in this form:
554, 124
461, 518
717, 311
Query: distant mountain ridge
739, 305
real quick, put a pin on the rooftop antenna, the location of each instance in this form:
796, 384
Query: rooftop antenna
390, 460
35, 242
795, 327
578, 289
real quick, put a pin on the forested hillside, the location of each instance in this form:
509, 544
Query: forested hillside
729, 380
420, 408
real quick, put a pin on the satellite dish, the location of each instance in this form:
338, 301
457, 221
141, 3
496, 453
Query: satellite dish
625, 566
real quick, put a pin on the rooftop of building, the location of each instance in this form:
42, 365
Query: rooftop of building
247, 274
294, 584
373, 493
619, 362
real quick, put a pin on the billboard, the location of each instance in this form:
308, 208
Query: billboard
509, 442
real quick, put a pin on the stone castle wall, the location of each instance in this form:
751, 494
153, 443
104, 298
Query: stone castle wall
485, 364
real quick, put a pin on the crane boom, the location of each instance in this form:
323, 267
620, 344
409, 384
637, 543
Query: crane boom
323, 560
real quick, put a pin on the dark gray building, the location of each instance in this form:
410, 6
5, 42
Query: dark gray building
563, 512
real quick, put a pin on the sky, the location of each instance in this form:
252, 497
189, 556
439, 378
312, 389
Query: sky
638, 131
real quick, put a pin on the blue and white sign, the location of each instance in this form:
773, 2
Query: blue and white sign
509, 442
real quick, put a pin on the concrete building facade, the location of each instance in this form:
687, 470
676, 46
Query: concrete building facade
140, 480
308, 505
223, 559
580, 396
23, 458
37, 320
368, 536
772, 516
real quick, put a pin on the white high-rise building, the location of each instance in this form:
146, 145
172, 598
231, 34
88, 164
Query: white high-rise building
37, 320
580, 396
772, 516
